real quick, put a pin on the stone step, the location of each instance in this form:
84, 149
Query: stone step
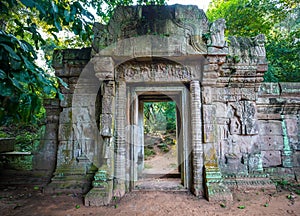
162, 184
249, 181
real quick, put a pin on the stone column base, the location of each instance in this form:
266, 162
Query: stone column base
99, 196
75, 177
215, 189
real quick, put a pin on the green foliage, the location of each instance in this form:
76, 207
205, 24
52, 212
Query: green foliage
159, 116
23, 84
27, 137
164, 147
27, 26
148, 153
279, 20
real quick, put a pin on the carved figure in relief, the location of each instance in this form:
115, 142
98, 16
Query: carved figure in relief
242, 118
259, 42
150, 71
234, 121
217, 29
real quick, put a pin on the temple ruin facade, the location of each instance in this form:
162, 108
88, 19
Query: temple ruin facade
233, 129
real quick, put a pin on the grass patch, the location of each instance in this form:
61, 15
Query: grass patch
147, 166
148, 153
291, 186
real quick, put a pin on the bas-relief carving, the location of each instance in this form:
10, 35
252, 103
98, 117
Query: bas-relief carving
217, 29
259, 43
238, 140
247, 50
243, 118
154, 72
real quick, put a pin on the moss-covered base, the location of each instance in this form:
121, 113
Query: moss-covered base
72, 177
99, 196
215, 189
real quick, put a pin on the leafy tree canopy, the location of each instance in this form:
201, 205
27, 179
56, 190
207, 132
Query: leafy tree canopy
27, 26
279, 20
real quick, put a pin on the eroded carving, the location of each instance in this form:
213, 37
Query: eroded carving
217, 29
259, 43
132, 72
242, 118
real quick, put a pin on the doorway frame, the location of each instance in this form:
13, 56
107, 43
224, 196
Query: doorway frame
179, 93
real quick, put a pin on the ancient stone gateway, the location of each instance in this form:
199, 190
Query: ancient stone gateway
230, 134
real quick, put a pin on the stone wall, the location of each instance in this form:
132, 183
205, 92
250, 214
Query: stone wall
69, 123
278, 107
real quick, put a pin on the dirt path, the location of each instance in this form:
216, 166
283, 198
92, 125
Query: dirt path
31, 201
162, 163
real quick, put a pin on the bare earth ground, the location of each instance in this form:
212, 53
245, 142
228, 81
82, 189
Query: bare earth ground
29, 200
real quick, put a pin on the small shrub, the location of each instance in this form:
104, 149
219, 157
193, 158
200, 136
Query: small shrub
148, 153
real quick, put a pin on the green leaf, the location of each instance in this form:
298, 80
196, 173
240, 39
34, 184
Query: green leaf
57, 24
30, 66
40, 8
16, 65
47, 89
2, 74
223, 205
241, 207
12, 53
60, 96
16, 83
67, 15
6, 90
54, 7
87, 14
28, 3
65, 85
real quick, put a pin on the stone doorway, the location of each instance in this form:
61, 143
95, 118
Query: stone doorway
179, 176
160, 139
161, 159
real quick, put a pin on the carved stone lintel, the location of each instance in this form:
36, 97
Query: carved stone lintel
156, 71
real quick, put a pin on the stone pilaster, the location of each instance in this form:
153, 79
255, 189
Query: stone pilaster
120, 141
102, 191
196, 137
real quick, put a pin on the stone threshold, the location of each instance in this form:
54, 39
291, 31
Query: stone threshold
159, 184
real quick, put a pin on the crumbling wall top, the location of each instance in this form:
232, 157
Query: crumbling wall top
133, 21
